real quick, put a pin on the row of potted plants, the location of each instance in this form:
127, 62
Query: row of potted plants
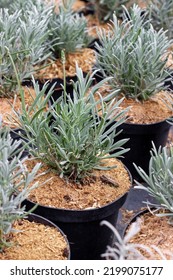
110, 52
77, 137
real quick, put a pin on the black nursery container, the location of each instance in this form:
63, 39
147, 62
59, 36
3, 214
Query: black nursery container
58, 88
140, 141
87, 239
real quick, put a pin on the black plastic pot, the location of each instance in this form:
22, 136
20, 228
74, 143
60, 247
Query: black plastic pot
41, 220
92, 44
58, 86
140, 141
88, 240
58, 89
134, 218
28, 82
16, 133
98, 76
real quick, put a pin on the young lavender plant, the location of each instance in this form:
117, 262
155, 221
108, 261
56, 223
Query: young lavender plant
9, 33
161, 15
159, 180
135, 55
73, 136
24, 34
68, 31
14, 185
104, 9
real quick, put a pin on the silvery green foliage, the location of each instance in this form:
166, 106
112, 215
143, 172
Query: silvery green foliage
161, 15
5, 3
13, 175
69, 31
13, 6
67, 4
73, 136
9, 33
24, 33
34, 33
132, 53
159, 180
104, 9
123, 249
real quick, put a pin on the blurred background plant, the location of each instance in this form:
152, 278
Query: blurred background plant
104, 9
14, 185
68, 30
124, 249
161, 15
158, 182
24, 33
134, 54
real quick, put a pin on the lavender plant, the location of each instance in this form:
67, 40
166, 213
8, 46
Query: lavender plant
159, 180
73, 136
24, 34
14, 184
69, 31
135, 55
13, 6
125, 249
161, 15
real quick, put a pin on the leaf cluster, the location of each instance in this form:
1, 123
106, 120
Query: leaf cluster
69, 31
13, 6
24, 33
73, 136
13, 176
104, 9
134, 54
161, 15
159, 179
